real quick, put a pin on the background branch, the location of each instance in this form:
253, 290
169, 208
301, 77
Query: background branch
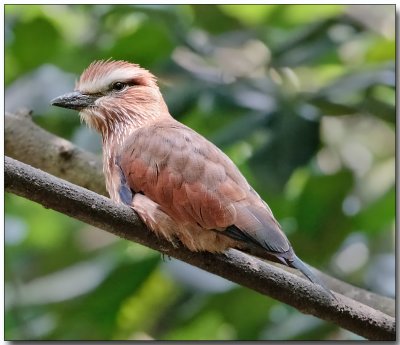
29, 143
260, 276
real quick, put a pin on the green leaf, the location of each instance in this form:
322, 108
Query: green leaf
246, 311
147, 45
322, 225
239, 129
357, 82
378, 215
381, 51
94, 316
307, 45
331, 108
379, 109
293, 142
302, 14
213, 19
48, 229
208, 326
35, 42
249, 15
147, 306
238, 314
355, 93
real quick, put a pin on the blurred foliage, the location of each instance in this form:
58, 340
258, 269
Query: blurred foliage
301, 97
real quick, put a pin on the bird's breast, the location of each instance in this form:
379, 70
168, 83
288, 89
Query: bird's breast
111, 171
112, 181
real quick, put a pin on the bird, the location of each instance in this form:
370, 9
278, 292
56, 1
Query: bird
182, 186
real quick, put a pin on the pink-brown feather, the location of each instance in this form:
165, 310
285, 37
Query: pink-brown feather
188, 188
183, 187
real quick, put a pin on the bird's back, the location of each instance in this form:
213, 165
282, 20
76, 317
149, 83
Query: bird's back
194, 182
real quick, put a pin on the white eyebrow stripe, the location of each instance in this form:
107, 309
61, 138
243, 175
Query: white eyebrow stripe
102, 83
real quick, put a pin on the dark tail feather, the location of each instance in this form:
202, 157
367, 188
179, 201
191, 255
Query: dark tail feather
273, 250
295, 262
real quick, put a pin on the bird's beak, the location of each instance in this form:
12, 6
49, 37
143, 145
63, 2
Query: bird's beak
74, 100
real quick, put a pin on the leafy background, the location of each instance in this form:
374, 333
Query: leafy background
301, 97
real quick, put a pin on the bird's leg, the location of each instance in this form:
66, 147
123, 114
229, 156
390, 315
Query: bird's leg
163, 257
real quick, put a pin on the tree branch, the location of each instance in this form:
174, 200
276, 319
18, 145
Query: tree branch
27, 142
238, 267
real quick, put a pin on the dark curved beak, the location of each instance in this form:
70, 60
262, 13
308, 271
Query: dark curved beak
74, 100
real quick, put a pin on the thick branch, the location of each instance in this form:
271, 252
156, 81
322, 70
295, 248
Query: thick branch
27, 142
255, 274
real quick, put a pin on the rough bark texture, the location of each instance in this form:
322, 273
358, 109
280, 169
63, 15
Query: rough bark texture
28, 143
238, 267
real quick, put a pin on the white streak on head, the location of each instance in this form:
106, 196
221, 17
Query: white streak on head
101, 74
103, 82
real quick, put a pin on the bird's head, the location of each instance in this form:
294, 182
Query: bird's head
113, 95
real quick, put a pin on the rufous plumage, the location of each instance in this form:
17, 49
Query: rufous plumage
183, 187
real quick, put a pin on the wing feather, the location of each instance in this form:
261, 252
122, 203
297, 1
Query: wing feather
196, 184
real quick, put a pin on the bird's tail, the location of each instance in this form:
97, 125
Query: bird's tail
295, 262
276, 247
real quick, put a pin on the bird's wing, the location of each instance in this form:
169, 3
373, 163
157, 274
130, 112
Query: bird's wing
196, 183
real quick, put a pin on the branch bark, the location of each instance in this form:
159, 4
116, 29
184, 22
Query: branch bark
238, 267
27, 142
31, 144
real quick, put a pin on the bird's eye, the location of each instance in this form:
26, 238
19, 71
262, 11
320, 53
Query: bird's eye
118, 86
